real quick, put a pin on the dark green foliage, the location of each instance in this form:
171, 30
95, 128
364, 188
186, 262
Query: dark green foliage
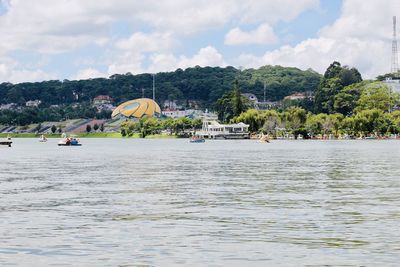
335, 79
238, 101
390, 76
53, 128
279, 81
231, 104
88, 128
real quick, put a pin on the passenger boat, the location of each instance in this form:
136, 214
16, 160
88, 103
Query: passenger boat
197, 139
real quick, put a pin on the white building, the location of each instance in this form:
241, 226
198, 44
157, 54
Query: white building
189, 113
394, 85
11, 106
33, 103
170, 104
176, 113
215, 130
102, 100
251, 97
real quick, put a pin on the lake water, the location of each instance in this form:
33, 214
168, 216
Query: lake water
167, 202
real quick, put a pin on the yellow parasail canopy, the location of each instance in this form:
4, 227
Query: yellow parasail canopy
137, 108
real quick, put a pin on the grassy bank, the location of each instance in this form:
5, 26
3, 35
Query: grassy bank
85, 135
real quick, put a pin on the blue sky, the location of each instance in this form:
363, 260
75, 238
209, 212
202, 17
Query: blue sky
73, 39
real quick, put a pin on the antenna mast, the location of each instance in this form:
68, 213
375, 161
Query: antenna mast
395, 66
154, 87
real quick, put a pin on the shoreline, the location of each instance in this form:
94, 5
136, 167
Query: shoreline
87, 135
164, 136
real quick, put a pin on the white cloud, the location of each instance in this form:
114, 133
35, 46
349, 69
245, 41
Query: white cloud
89, 73
207, 56
360, 37
49, 26
264, 34
15, 75
127, 62
153, 42
270, 11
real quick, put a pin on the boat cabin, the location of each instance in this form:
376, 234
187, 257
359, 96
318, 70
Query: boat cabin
215, 130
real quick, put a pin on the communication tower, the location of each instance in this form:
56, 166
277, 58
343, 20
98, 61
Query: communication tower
395, 65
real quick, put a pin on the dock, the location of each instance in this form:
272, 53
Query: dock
6, 143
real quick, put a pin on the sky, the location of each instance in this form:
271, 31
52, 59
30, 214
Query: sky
82, 39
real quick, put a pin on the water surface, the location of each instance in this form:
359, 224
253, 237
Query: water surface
166, 202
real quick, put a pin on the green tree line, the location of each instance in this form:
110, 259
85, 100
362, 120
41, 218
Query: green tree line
147, 126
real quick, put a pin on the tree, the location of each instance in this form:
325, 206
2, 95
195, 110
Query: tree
238, 102
335, 79
223, 107
295, 118
231, 104
372, 121
53, 128
377, 95
88, 128
346, 100
95, 127
102, 127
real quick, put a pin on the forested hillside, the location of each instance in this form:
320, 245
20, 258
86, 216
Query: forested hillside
203, 84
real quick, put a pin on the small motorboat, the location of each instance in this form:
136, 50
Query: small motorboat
197, 139
6, 143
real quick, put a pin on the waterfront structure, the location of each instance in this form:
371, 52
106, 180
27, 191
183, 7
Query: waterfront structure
214, 130
138, 108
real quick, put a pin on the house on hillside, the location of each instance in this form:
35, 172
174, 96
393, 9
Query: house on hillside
33, 103
102, 100
251, 97
9, 106
172, 113
295, 96
194, 104
268, 105
170, 105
